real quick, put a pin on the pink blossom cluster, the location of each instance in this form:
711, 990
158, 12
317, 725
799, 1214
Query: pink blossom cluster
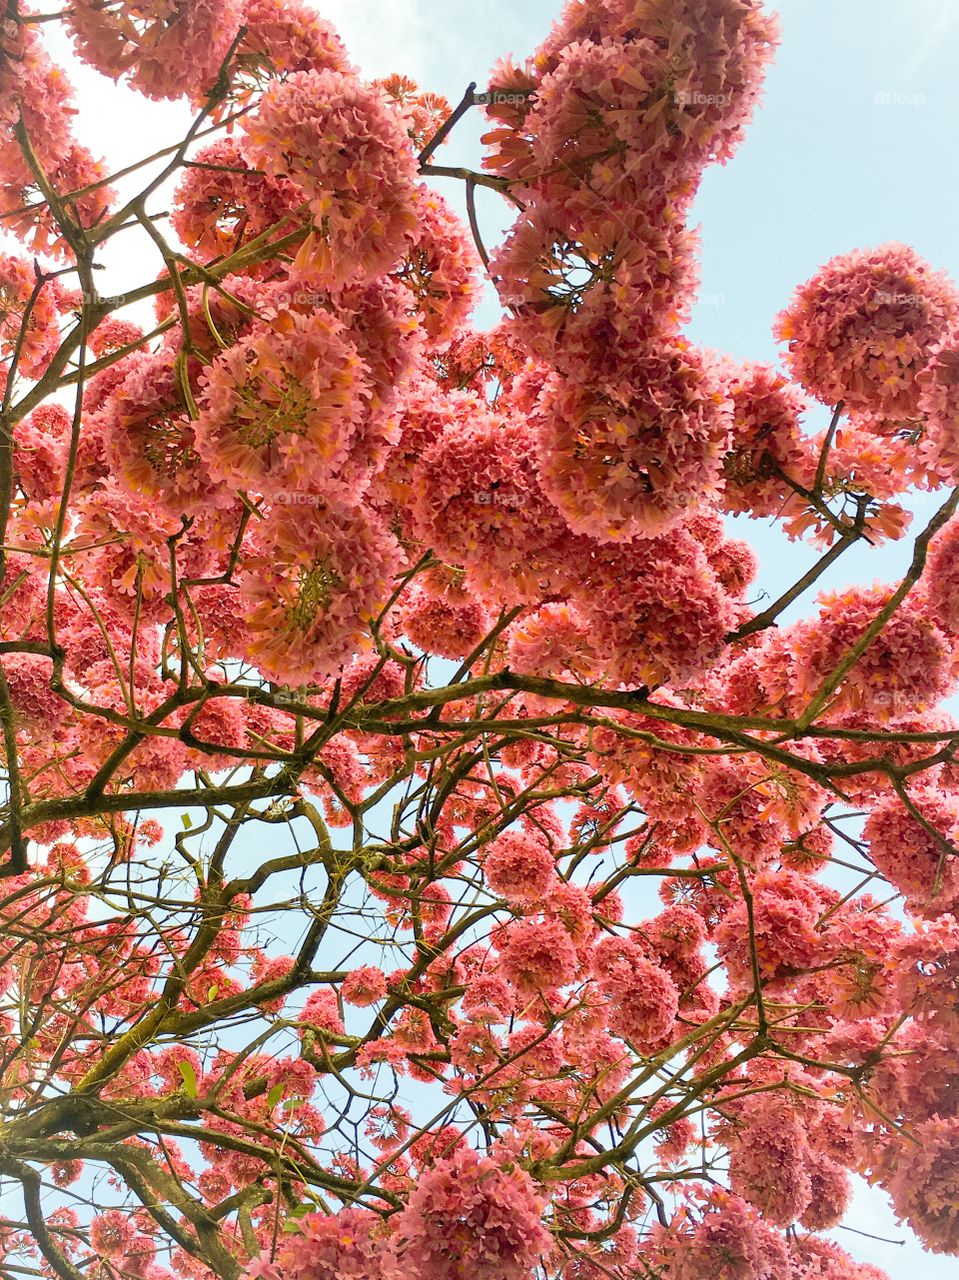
864, 327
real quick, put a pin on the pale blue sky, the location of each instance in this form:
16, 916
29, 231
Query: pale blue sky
857, 143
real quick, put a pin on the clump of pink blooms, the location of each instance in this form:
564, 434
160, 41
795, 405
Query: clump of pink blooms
338, 141
363, 986
340, 1246
630, 464
320, 573
778, 929
912, 847
165, 49
864, 327
925, 1184
280, 408
767, 1164
289, 35
642, 999
519, 866
537, 955
469, 1216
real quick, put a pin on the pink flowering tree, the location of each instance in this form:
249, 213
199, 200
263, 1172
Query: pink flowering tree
418, 859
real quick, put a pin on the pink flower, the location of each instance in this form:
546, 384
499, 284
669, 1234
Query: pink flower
41, 334
320, 574
677, 931
728, 1242
422, 113
447, 622
537, 955
674, 1139
339, 1246
767, 1163
112, 335
477, 502
906, 669
655, 611
364, 986
813, 1258
41, 444
552, 641
488, 998
369, 680
739, 804
280, 409
785, 912
590, 300
615, 94
861, 461
322, 1010
768, 446
424, 414
642, 999
31, 220
939, 406
630, 463
150, 442
831, 1193
468, 1218
518, 866
217, 208
440, 268
166, 49
111, 1233
345, 149
863, 939
941, 580
924, 1184
35, 88
864, 326
571, 905
910, 856
28, 679
723, 46
290, 36
925, 968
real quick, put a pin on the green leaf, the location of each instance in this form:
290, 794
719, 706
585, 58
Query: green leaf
213, 990
189, 1078
187, 821
275, 1094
